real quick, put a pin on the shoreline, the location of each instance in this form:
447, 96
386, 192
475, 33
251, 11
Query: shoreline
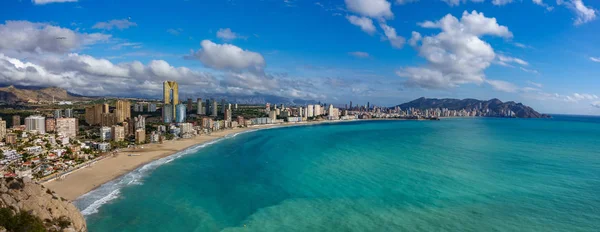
90, 177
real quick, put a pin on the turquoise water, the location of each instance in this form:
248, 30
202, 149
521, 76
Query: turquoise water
471, 174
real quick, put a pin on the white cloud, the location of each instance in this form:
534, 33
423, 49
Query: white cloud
365, 24
595, 59
456, 55
25, 36
584, 13
228, 35
228, 57
402, 2
576, 97
174, 31
539, 85
596, 104
370, 8
43, 2
505, 60
541, 3
395, 40
501, 2
126, 45
359, 54
529, 70
503, 86
458, 2
415, 38
115, 23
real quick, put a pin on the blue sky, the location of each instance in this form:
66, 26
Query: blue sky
542, 53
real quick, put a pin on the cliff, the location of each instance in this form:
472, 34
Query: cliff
25, 199
494, 106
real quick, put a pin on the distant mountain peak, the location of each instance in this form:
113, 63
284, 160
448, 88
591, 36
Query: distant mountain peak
494, 105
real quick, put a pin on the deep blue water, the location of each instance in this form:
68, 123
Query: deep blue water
462, 174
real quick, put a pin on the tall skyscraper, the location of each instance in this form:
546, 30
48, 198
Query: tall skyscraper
190, 105
2, 129
37, 123
368, 106
181, 113
16, 120
214, 111
223, 107
200, 110
170, 95
350, 105
118, 133
168, 115
123, 111
66, 127
50, 124
94, 113
207, 107
228, 115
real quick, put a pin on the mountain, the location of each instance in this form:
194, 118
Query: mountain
494, 106
28, 206
260, 99
13, 94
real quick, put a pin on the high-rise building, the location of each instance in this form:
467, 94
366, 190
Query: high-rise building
273, 115
122, 111
267, 107
350, 105
108, 119
151, 107
140, 136
118, 133
235, 106
36, 123
2, 129
11, 138
57, 113
200, 110
214, 110
207, 107
105, 133
168, 115
190, 105
181, 113
16, 120
93, 114
223, 106
66, 127
50, 124
310, 111
170, 95
69, 113
139, 122
228, 115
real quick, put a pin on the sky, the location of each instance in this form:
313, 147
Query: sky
543, 53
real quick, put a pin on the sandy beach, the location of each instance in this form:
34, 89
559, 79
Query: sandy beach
88, 178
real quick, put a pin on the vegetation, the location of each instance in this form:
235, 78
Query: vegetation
22, 221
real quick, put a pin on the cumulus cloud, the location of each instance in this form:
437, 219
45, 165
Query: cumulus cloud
596, 104
228, 57
227, 34
390, 33
595, 59
365, 24
370, 8
576, 97
44, 2
359, 54
456, 55
25, 36
584, 14
115, 23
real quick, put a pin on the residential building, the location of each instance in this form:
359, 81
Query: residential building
122, 111
310, 111
69, 113
190, 105
181, 113
200, 110
57, 113
140, 136
16, 120
151, 107
11, 138
228, 115
2, 129
66, 127
186, 130
36, 123
213, 109
50, 124
108, 119
139, 122
273, 115
105, 133
223, 106
167, 112
118, 133
93, 114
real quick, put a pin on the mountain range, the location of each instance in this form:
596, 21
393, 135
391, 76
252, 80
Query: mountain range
494, 105
13, 94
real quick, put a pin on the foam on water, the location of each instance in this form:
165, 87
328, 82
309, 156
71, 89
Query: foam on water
90, 202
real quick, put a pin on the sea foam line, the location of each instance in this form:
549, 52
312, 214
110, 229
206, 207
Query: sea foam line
90, 202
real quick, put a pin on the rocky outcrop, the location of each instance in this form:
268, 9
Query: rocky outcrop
493, 107
57, 214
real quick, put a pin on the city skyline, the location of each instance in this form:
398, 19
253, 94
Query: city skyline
381, 53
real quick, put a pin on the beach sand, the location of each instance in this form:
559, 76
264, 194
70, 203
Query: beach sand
88, 178
84, 180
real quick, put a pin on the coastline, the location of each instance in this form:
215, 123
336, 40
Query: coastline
88, 178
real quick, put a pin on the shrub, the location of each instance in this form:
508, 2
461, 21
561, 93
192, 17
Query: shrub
20, 222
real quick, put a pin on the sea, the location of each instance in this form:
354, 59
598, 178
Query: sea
456, 174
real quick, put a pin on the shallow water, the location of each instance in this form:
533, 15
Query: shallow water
471, 174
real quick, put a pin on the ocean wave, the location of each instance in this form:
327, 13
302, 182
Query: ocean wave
90, 202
